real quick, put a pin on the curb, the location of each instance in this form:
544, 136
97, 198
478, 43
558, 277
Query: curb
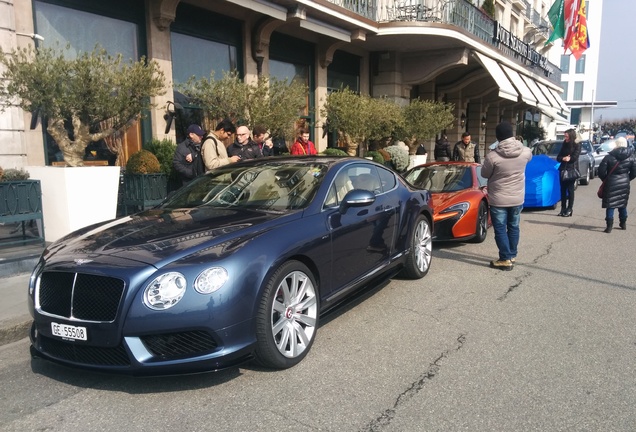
15, 329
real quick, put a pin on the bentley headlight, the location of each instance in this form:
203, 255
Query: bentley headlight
460, 208
210, 280
165, 291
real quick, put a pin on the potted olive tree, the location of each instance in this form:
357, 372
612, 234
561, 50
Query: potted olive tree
423, 119
83, 99
269, 102
361, 119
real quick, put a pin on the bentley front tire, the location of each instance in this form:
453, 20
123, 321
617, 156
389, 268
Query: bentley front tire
287, 317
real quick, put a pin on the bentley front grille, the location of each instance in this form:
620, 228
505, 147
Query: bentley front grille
80, 296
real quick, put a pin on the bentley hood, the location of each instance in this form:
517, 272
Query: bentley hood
156, 235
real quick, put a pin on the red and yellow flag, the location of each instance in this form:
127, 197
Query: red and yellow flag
570, 16
579, 41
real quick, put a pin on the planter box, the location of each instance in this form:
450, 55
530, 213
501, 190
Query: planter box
144, 190
21, 201
416, 160
75, 197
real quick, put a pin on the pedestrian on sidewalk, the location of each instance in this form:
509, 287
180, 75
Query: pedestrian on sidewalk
616, 170
505, 167
569, 158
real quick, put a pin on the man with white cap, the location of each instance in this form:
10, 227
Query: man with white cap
505, 167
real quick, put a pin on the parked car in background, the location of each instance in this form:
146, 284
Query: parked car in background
238, 264
460, 199
589, 150
602, 151
551, 148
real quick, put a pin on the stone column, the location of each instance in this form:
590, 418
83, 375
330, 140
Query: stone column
387, 81
159, 15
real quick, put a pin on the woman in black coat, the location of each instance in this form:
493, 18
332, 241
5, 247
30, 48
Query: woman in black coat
616, 189
569, 158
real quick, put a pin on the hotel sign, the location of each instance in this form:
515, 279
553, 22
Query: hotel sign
523, 49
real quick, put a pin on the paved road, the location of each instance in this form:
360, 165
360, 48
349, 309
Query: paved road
549, 346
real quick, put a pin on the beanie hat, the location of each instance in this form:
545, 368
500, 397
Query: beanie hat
503, 131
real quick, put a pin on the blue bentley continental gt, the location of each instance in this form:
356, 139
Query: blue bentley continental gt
237, 265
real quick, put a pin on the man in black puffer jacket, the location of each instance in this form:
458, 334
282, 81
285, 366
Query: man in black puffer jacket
617, 169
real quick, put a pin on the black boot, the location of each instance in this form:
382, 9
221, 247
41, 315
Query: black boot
610, 225
622, 223
563, 211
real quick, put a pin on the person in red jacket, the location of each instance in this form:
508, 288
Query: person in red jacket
303, 146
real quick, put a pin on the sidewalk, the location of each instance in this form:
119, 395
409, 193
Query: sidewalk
16, 263
15, 319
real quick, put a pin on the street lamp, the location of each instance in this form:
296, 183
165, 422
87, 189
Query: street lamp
30, 35
171, 114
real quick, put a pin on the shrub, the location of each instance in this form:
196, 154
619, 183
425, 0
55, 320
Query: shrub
13, 174
399, 157
143, 162
164, 151
377, 157
332, 151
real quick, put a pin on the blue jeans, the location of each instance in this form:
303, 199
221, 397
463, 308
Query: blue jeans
622, 213
505, 222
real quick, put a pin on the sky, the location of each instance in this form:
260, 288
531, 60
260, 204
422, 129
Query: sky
617, 61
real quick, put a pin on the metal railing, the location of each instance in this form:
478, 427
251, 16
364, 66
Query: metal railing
460, 13
528, 8
366, 8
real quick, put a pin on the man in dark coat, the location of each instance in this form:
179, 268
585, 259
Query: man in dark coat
244, 147
187, 160
617, 169
442, 151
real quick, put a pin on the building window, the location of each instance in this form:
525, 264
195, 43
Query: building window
291, 72
219, 58
565, 63
575, 116
343, 72
580, 65
578, 91
293, 59
199, 50
564, 95
81, 31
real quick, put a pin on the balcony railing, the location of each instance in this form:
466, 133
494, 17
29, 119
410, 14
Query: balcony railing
528, 8
460, 13
366, 8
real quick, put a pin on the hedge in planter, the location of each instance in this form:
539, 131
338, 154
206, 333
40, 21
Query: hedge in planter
144, 183
20, 201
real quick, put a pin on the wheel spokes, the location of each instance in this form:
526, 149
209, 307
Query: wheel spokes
423, 246
294, 314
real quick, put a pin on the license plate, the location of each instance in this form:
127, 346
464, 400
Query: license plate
69, 332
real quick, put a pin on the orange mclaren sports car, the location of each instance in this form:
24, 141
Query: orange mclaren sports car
460, 199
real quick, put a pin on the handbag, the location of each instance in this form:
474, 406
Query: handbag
570, 173
599, 193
